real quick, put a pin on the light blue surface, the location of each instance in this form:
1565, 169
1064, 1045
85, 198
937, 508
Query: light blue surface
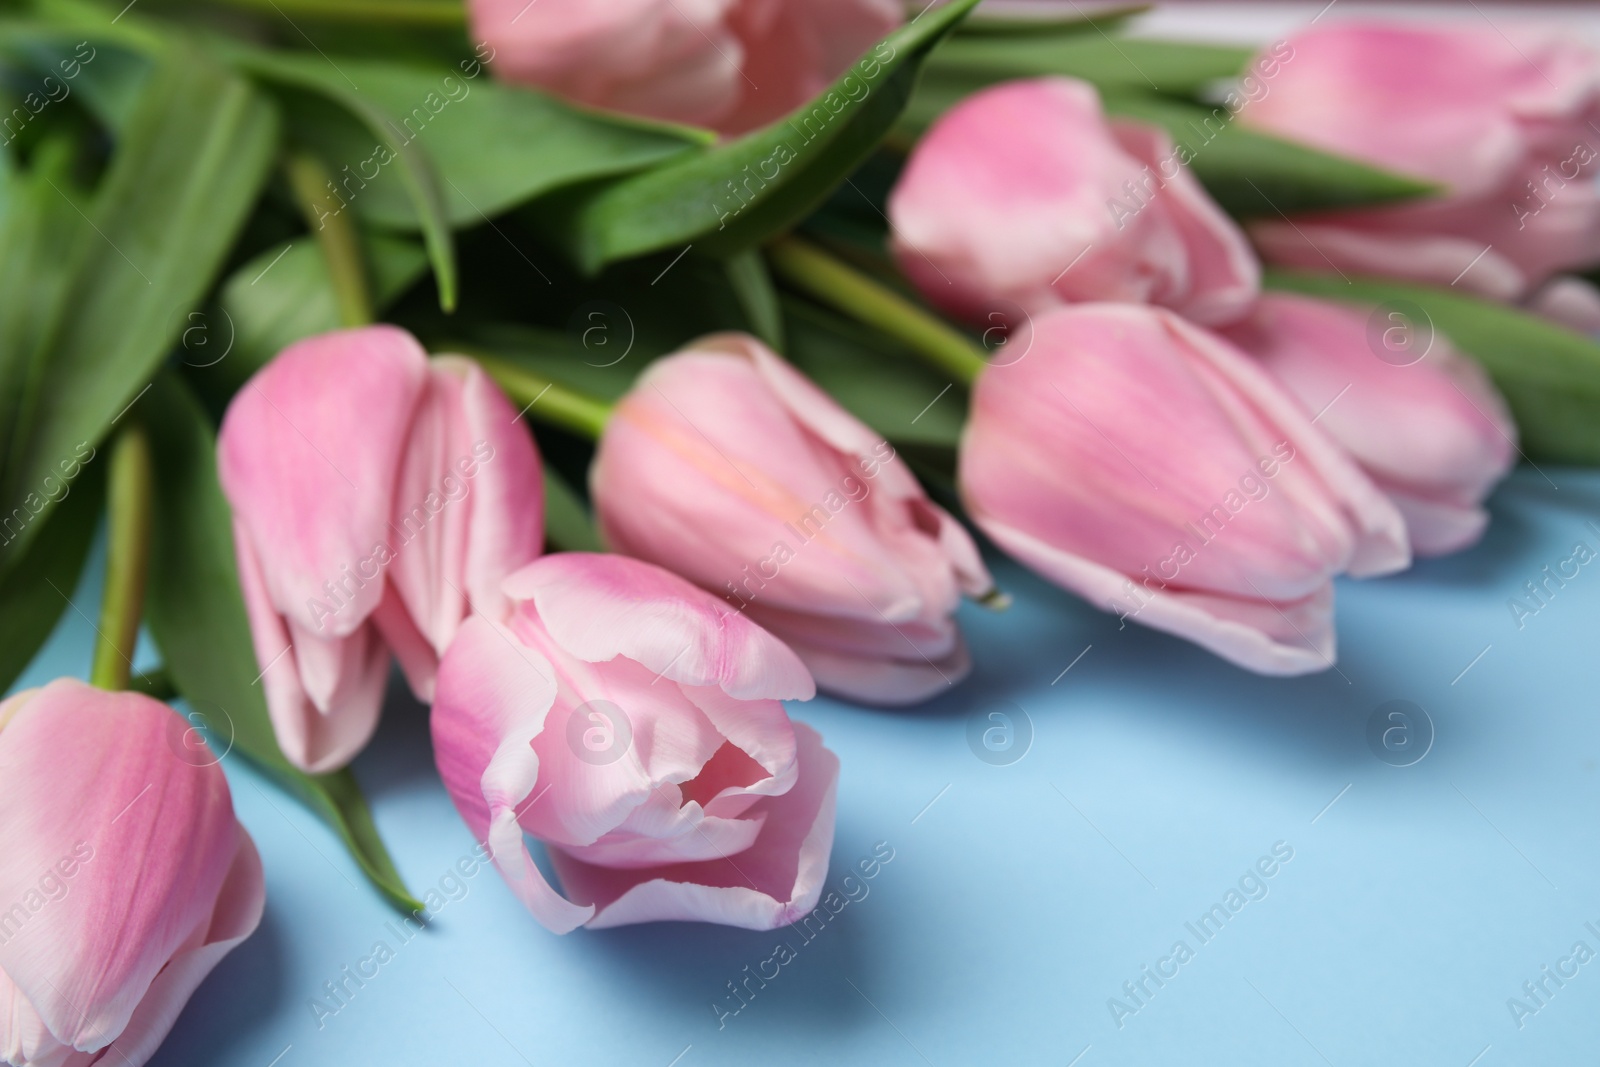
1021, 898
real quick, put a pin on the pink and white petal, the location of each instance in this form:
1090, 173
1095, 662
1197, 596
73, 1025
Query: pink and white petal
397, 630
772, 883
507, 492
97, 773
653, 836
307, 456
1276, 639
236, 916
1568, 301
598, 606
492, 700
1432, 258
886, 682
1439, 527
761, 729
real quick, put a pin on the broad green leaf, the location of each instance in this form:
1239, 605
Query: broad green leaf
185, 174
282, 296
1251, 173
1027, 22
736, 195
196, 614
492, 146
33, 594
875, 379
1178, 68
1549, 375
568, 526
393, 148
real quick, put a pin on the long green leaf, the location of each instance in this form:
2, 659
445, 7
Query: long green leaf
185, 174
197, 616
737, 195
1180, 68
1550, 376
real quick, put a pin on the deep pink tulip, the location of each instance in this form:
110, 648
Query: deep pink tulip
632, 722
125, 877
1502, 120
378, 498
727, 466
1434, 434
1024, 195
731, 65
1157, 471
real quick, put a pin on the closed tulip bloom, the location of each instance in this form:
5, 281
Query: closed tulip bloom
1426, 424
378, 498
1154, 469
1024, 195
632, 723
727, 466
124, 880
731, 65
1502, 121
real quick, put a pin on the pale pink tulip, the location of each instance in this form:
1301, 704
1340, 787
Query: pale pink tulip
378, 499
1024, 195
1426, 423
1501, 117
632, 722
727, 466
125, 877
1568, 301
731, 65
1157, 471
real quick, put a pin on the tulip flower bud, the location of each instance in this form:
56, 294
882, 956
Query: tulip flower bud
378, 499
631, 722
1023, 195
1432, 433
124, 880
1156, 470
725, 465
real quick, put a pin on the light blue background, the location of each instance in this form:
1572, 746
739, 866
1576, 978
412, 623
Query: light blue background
1023, 898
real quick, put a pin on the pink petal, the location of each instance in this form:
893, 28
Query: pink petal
308, 455
773, 882
601, 606
886, 682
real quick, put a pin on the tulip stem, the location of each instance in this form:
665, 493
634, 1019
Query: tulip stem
393, 12
546, 401
848, 290
128, 546
336, 235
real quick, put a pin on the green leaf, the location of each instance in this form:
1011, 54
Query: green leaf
752, 284
568, 526
185, 174
196, 614
1251, 173
1549, 375
1020, 23
282, 296
1179, 68
319, 77
492, 146
735, 196
33, 594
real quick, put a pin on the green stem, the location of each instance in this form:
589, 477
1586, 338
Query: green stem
545, 400
844, 288
391, 12
128, 522
337, 236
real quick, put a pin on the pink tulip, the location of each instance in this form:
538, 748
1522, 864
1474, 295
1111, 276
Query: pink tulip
124, 880
732, 65
728, 467
1156, 470
378, 499
1024, 195
1570, 302
631, 722
1503, 120
1433, 434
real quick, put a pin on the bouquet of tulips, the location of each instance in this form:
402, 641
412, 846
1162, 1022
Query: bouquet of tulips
622, 370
